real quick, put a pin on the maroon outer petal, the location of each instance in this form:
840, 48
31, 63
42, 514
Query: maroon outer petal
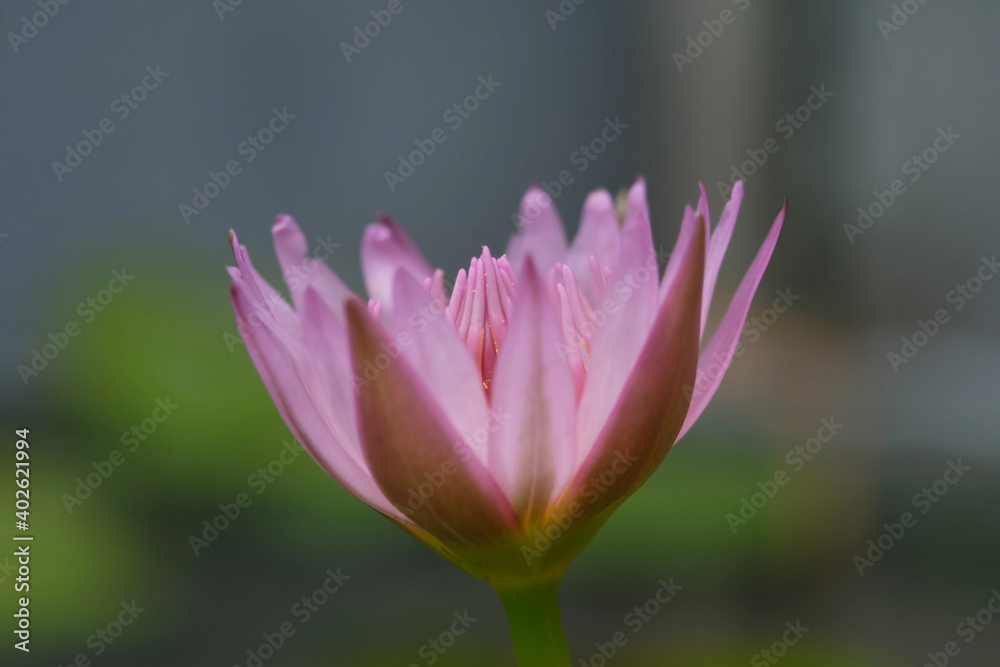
651, 408
630, 308
417, 457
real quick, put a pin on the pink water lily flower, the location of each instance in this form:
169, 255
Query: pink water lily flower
503, 422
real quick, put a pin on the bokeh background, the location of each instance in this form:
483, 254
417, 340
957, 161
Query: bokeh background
898, 73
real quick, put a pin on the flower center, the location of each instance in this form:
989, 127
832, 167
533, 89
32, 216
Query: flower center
480, 304
482, 300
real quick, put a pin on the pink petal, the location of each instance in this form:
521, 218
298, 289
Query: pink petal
265, 301
703, 204
386, 249
690, 224
423, 335
637, 255
301, 271
285, 369
324, 335
416, 454
718, 354
650, 408
599, 237
532, 453
541, 232
717, 247
622, 320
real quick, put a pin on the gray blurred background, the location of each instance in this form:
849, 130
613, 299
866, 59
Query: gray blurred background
704, 88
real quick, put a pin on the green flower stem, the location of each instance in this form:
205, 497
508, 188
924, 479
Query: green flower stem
533, 613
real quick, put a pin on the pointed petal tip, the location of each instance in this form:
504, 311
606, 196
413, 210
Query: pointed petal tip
599, 198
283, 221
386, 229
636, 205
377, 231
536, 194
239, 252
288, 240
638, 188
779, 219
